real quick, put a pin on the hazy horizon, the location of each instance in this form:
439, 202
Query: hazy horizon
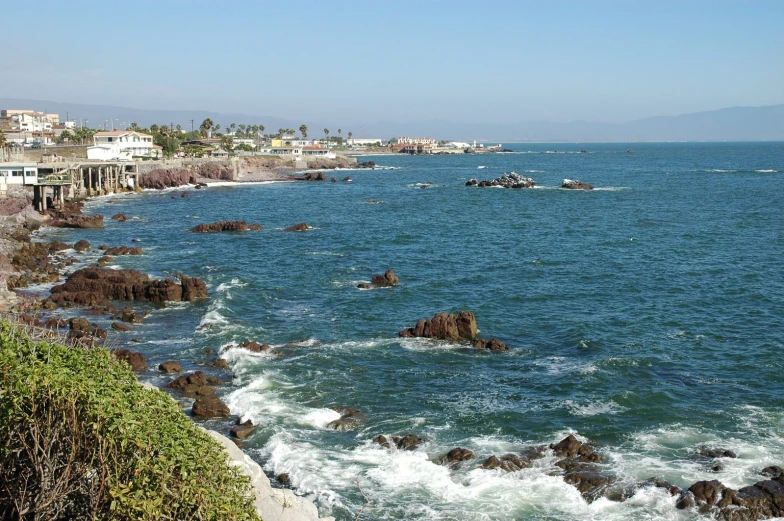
562, 62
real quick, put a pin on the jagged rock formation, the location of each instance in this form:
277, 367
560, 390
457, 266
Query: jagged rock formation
226, 226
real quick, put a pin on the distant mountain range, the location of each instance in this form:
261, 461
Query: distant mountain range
730, 124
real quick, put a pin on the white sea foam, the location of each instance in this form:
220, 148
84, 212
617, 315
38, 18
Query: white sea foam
233, 283
767, 171
594, 408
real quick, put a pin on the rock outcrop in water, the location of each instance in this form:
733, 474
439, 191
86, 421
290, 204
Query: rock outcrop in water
459, 327
385, 280
301, 227
349, 418
166, 178
95, 286
510, 180
313, 176
226, 226
571, 184
445, 326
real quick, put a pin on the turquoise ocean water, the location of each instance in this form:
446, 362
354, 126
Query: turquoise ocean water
646, 315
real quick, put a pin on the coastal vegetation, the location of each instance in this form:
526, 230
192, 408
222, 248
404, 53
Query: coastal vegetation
83, 440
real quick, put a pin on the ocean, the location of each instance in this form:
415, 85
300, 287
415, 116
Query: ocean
646, 315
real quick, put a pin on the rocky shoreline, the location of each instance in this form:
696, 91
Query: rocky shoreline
95, 289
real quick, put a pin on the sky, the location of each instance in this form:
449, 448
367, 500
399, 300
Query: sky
402, 61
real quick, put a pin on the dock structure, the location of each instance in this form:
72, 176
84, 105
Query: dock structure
53, 182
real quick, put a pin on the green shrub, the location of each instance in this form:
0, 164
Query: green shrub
80, 438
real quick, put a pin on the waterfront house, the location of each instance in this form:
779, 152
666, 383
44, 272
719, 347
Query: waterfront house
121, 145
412, 141
17, 174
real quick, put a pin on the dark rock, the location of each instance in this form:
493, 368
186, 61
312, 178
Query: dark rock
673, 490
491, 345
571, 447
220, 363
386, 280
214, 380
121, 217
407, 442
123, 250
166, 178
184, 195
170, 367
455, 327
226, 226
284, 479
80, 324
193, 288
196, 379
334, 180
347, 179
81, 246
383, 441
459, 454
510, 180
713, 452
571, 184
366, 164
207, 390
773, 472
58, 246
243, 430
210, 407
255, 347
135, 360
94, 286
313, 176
127, 314
512, 462
301, 227
119, 326
349, 418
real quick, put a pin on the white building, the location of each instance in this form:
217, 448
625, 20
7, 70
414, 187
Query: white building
412, 141
364, 141
121, 145
17, 174
296, 151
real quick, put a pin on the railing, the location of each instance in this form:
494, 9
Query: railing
55, 179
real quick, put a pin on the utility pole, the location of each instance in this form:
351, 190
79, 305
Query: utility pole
191, 125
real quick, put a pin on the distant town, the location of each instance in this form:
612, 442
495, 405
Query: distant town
22, 129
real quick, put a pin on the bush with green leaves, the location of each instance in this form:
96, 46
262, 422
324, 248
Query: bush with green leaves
81, 439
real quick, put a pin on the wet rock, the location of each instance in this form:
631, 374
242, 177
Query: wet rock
366, 164
135, 360
161, 178
127, 314
121, 217
571, 184
104, 261
301, 227
214, 380
184, 195
713, 452
81, 246
210, 407
123, 250
385, 280
284, 479
206, 390
673, 490
255, 347
347, 179
443, 326
94, 286
243, 430
313, 176
193, 288
459, 454
513, 462
383, 441
58, 246
510, 180
220, 363
80, 324
170, 367
349, 419
119, 326
571, 447
773, 472
491, 345
226, 226
334, 180
80, 221
196, 379
407, 442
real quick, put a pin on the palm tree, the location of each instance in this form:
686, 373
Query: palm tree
340, 130
303, 129
350, 135
3, 145
179, 128
233, 128
154, 128
242, 130
134, 126
205, 126
326, 133
217, 128
281, 131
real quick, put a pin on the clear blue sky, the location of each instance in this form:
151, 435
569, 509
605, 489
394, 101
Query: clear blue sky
399, 61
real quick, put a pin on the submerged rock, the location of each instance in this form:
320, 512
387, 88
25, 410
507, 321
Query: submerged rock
571, 184
491, 345
349, 418
226, 226
300, 227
